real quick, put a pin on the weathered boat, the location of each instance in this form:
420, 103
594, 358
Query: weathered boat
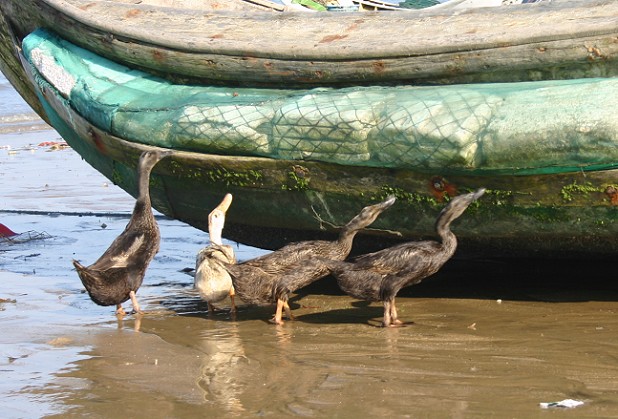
305, 130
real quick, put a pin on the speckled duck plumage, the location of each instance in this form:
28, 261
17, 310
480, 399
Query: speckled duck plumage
379, 276
117, 275
271, 278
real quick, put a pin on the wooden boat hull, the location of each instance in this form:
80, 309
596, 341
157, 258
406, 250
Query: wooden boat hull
553, 40
277, 201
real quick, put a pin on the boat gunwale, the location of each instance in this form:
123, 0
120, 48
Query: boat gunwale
320, 24
336, 49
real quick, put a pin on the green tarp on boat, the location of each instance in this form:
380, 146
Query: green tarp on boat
506, 128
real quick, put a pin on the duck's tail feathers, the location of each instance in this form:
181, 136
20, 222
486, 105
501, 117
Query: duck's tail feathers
88, 278
78, 266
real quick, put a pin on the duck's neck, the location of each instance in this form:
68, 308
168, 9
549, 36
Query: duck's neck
143, 203
448, 239
215, 236
346, 237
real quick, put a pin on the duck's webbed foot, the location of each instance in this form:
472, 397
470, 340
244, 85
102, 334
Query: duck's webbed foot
394, 318
136, 307
119, 310
390, 314
275, 321
279, 312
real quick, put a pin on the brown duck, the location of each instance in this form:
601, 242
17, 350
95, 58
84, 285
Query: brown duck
119, 272
379, 276
271, 278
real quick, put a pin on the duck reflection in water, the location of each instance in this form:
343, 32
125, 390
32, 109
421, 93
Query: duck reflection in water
117, 275
379, 276
225, 371
273, 277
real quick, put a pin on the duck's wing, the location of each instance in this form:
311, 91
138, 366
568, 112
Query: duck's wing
299, 275
355, 280
280, 260
395, 259
407, 268
252, 284
126, 250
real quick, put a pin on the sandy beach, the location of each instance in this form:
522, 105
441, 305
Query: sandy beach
485, 338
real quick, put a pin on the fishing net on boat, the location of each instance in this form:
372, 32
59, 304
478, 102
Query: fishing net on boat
521, 128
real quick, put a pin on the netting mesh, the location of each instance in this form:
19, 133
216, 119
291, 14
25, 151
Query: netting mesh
518, 127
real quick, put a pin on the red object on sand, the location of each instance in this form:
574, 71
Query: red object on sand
6, 232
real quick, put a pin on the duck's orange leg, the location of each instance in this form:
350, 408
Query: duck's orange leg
136, 308
232, 294
288, 311
394, 318
279, 313
390, 314
386, 322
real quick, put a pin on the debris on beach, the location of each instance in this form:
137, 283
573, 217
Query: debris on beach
7, 301
54, 145
567, 403
49, 145
9, 236
6, 232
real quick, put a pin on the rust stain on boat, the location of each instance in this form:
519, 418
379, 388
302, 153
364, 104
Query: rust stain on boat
271, 69
133, 13
96, 139
355, 25
379, 66
331, 38
441, 188
595, 53
158, 55
612, 193
87, 6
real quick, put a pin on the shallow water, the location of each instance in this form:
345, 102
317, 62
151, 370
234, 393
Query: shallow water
485, 338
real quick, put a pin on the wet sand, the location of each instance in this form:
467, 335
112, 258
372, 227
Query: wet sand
485, 338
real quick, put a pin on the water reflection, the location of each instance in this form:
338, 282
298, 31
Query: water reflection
283, 334
123, 322
223, 372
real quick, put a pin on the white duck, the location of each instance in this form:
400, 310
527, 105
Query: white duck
212, 280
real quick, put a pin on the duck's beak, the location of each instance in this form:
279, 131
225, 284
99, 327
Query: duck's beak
478, 193
166, 153
225, 203
388, 202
